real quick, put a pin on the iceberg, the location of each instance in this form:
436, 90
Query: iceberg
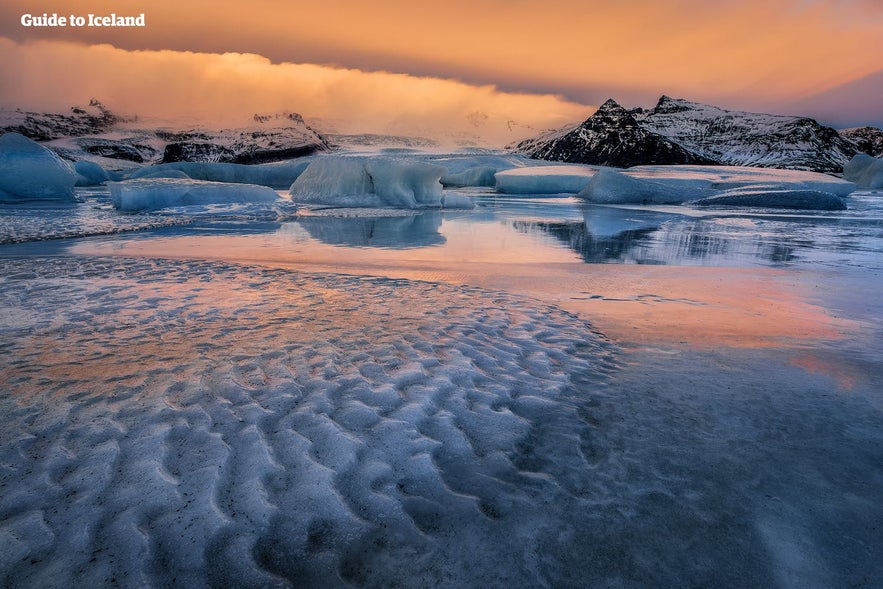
158, 193
475, 170
30, 171
727, 177
775, 197
89, 173
369, 182
544, 179
478, 176
865, 170
609, 186
279, 175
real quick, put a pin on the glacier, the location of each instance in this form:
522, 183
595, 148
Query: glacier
158, 193
29, 171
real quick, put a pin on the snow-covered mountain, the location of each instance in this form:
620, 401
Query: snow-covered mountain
678, 131
611, 137
96, 132
867, 140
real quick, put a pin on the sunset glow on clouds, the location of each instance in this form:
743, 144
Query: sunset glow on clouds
541, 64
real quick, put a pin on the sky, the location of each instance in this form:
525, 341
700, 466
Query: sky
501, 69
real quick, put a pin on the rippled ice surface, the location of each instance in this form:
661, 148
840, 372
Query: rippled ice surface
184, 423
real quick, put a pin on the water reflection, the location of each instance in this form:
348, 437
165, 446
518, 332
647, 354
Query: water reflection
611, 235
401, 232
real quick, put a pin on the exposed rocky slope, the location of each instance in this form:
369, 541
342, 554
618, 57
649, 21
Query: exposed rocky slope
96, 131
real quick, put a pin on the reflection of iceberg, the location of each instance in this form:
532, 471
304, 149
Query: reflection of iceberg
603, 221
387, 232
593, 249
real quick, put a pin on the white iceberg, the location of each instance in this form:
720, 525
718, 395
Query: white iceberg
369, 182
610, 186
158, 193
775, 197
544, 179
866, 171
30, 171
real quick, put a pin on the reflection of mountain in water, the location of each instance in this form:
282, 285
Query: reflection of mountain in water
410, 231
670, 241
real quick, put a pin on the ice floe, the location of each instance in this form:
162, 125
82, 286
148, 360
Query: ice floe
159, 193
775, 197
30, 171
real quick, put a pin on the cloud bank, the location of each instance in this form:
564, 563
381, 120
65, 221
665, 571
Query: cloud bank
227, 88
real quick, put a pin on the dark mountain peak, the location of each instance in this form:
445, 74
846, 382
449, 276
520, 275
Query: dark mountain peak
610, 108
678, 131
667, 104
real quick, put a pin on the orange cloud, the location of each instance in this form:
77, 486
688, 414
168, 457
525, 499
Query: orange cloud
754, 49
229, 87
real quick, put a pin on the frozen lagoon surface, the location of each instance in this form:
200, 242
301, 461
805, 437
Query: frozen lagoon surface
535, 392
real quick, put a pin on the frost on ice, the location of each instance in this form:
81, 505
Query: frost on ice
866, 171
159, 193
369, 182
29, 171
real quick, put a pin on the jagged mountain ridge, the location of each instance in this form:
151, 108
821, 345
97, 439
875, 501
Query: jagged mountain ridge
98, 132
612, 137
867, 140
678, 131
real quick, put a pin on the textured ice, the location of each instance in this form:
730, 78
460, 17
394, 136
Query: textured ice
609, 186
29, 171
197, 423
159, 193
278, 175
774, 196
544, 179
89, 173
369, 182
866, 171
